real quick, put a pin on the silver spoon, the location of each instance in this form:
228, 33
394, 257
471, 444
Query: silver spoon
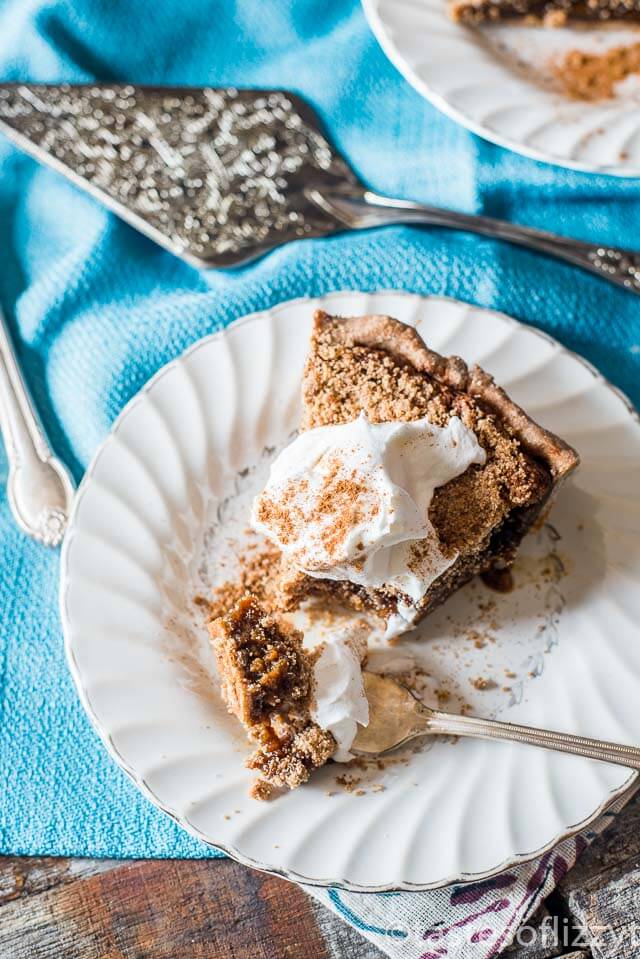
396, 717
39, 488
219, 176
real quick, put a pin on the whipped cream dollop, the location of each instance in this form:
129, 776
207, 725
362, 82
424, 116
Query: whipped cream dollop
340, 703
351, 501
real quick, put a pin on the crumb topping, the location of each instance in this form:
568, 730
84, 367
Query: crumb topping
290, 760
255, 577
343, 377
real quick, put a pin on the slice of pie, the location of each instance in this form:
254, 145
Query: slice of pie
379, 368
267, 683
550, 12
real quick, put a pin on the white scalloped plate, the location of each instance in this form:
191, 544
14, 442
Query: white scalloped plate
149, 531
498, 81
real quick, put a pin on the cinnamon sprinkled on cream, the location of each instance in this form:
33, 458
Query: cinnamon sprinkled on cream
350, 502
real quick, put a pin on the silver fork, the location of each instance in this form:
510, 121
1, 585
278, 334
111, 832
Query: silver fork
396, 717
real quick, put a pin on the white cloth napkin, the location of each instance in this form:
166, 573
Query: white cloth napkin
465, 921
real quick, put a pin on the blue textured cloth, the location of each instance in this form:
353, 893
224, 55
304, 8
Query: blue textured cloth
96, 309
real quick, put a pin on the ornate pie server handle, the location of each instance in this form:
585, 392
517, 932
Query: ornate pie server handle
446, 724
364, 209
39, 488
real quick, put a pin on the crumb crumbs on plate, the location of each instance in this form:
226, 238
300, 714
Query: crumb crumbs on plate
253, 576
349, 783
482, 683
594, 76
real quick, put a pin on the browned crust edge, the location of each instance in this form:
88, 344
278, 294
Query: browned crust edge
540, 13
405, 343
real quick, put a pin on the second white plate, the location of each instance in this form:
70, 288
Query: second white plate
498, 82
150, 530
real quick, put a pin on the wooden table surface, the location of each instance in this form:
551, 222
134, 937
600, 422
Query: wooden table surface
217, 909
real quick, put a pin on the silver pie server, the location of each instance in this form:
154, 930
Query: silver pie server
39, 488
219, 176
396, 717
